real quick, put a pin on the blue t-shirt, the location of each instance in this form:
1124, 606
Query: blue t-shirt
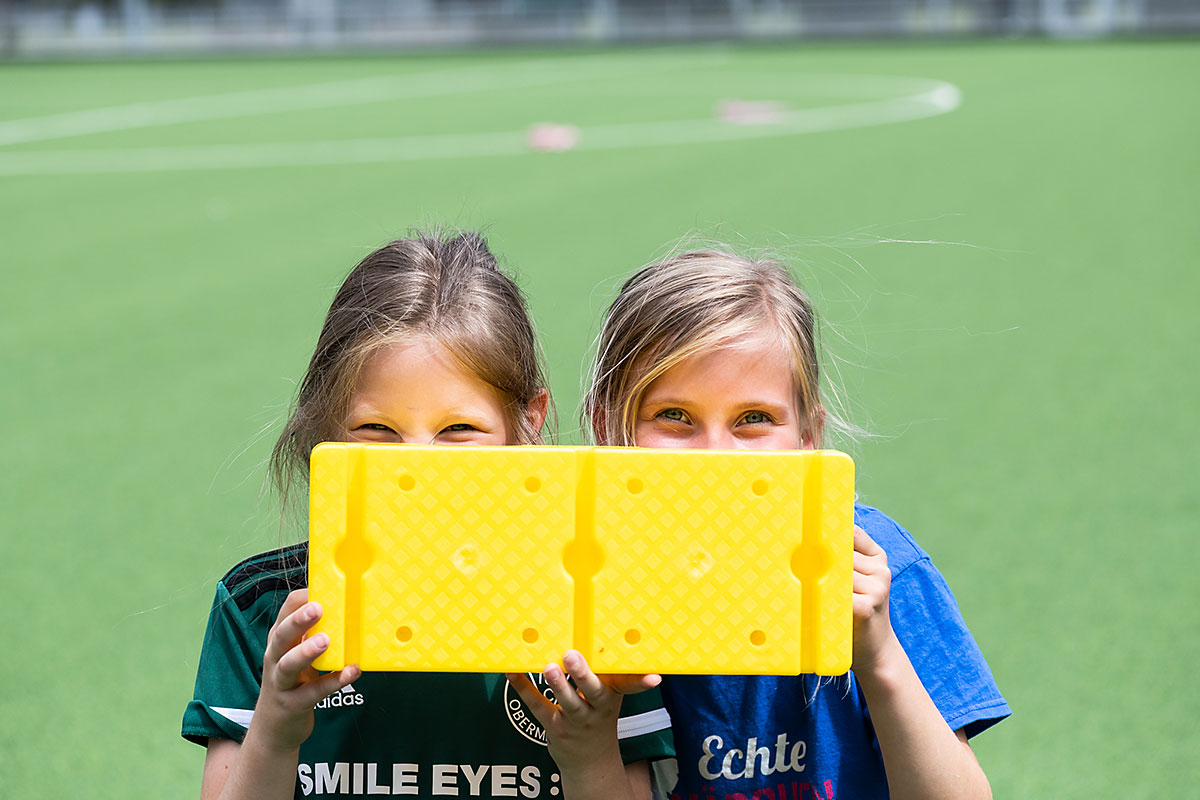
803, 737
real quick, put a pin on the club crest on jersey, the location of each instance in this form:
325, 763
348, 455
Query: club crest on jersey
518, 713
345, 696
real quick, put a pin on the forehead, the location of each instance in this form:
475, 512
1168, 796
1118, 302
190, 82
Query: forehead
757, 363
416, 370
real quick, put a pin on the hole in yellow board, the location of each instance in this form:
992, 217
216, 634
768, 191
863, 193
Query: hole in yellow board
758, 638
533, 483
633, 636
407, 483
529, 635
759, 487
635, 486
404, 633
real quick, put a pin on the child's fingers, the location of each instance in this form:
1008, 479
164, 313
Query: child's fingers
865, 544
595, 692
567, 696
295, 618
863, 606
871, 584
871, 581
313, 692
541, 708
295, 599
869, 557
870, 565
298, 660
290, 629
631, 684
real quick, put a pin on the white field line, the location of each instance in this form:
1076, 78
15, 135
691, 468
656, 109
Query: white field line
940, 99
931, 99
260, 102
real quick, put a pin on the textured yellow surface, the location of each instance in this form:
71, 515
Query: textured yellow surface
495, 559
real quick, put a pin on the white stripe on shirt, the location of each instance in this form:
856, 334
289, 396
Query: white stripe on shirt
646, 722
627, 727
242, 716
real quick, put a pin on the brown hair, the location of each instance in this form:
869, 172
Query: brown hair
691, 303
446, 287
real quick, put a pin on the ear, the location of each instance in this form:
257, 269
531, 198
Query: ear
811, 439
599, 434
537, 409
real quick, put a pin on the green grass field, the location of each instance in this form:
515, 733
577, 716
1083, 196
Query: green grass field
1009, 285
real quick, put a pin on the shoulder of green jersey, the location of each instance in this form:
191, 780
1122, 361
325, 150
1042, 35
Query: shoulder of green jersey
283, 569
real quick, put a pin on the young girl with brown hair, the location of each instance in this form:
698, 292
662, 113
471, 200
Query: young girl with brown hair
427, 342
710, 349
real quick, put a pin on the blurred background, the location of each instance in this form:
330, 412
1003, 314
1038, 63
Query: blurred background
993, 204
33, 27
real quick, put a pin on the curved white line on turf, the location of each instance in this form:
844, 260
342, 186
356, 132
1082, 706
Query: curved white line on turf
259, 102
926, 98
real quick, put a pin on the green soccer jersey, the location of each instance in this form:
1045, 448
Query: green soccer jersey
389, 733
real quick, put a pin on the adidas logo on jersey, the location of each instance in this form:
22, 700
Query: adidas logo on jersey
346, 696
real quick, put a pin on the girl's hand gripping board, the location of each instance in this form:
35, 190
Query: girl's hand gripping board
499, 559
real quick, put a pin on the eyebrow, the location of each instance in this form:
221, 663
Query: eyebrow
669, 401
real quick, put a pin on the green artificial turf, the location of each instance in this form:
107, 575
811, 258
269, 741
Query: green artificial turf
1009, 287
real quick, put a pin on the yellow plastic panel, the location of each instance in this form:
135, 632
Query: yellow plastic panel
726, 563
500, 559
445, 559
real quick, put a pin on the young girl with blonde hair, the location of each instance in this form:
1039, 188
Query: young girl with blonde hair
709, 349
427, 342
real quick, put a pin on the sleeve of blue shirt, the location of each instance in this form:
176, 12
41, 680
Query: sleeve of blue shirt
930, 626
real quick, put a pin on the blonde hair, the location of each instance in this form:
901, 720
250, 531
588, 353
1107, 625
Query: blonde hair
692, 303
445, 287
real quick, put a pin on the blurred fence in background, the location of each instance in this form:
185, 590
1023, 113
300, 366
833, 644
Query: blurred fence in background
124, 27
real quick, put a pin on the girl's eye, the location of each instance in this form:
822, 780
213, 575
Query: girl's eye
459, 427
755, 418
673, 414
375, 426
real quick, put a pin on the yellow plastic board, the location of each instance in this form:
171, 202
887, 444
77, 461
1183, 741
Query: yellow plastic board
499, 559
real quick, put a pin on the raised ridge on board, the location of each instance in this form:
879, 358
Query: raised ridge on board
501, 558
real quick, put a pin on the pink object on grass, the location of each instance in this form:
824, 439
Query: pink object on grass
548, 137
750, 112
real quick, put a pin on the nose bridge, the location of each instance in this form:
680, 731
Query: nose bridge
416, 435
717, 437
